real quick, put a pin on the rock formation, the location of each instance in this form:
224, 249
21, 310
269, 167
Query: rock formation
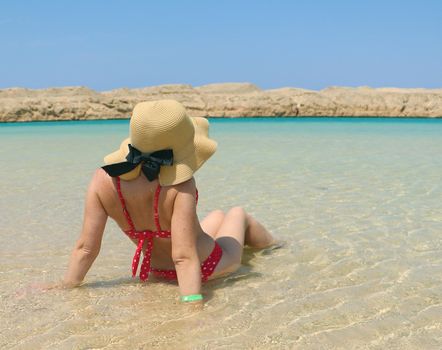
220, 100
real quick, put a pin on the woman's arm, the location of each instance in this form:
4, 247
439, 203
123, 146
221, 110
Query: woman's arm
184, 240
88, 245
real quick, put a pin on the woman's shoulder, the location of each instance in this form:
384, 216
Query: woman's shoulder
99, 181
100, 176
186, 186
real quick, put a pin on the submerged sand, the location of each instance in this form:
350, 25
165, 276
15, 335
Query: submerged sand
220, 100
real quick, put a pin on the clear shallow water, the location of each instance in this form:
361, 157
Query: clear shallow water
358, 202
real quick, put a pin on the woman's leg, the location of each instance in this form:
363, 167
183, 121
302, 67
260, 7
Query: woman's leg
239, 228
230, 237
257, 235
212, 222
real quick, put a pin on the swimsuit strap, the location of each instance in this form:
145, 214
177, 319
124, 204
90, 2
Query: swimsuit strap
123, 204
145, 264
156, 214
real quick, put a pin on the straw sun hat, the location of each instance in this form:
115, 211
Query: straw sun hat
164, 143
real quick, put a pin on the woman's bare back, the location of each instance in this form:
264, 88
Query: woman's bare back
139, 199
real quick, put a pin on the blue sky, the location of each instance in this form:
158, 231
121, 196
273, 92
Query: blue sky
309, 44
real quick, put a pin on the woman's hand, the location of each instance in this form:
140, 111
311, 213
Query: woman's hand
37, 288
45, 286
194, 305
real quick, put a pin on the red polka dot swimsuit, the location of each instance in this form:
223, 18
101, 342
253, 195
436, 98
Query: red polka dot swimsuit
207, 267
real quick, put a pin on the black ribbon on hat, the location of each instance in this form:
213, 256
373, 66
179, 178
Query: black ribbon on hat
151, 163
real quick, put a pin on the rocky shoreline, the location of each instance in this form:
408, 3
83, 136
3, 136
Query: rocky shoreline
220, 100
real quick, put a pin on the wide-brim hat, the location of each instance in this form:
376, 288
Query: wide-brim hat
165, 125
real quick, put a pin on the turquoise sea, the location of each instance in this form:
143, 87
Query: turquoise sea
358, 201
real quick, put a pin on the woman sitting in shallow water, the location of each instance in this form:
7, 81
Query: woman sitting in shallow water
147, 187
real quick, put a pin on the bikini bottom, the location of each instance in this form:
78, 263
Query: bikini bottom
207, 267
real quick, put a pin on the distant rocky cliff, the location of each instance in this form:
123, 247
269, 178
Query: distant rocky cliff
220, 100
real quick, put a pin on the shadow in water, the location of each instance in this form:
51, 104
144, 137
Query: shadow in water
245, 272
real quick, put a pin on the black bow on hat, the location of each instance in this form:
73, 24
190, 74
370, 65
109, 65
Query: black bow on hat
151, 163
